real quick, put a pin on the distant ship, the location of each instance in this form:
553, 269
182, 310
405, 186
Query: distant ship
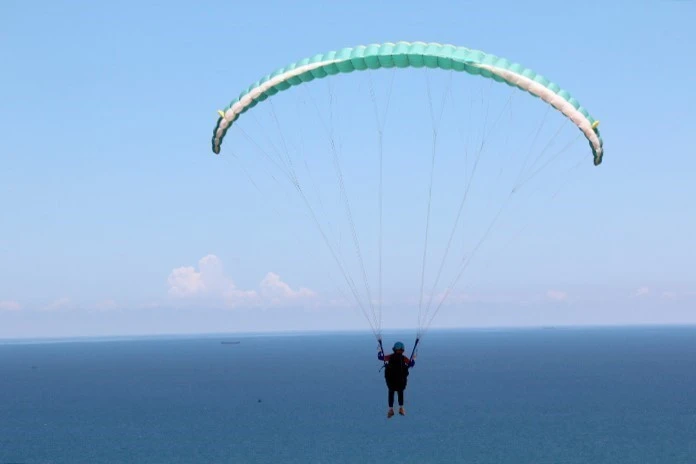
230, 343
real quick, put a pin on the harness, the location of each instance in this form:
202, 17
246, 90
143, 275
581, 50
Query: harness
381, 349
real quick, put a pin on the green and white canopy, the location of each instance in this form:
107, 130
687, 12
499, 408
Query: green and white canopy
414, 55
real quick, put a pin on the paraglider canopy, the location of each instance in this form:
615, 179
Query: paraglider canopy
415, 54
464, 164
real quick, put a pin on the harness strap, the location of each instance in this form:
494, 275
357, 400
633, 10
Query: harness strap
381, 349
415, 345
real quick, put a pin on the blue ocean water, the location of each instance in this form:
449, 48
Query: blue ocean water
581, 395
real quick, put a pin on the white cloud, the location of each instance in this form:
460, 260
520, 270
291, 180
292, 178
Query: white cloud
277, 291
150, 305
185, 281
105, 305
642, 291
58, 305
556, 295
9, 305
210, 284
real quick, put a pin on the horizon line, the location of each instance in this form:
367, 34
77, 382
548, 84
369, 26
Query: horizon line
314, 332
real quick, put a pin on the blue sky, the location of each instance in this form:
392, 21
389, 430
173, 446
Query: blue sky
116, 217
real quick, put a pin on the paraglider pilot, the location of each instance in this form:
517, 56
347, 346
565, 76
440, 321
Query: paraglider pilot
396, 374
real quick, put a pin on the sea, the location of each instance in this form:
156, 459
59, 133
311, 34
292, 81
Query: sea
561, 395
